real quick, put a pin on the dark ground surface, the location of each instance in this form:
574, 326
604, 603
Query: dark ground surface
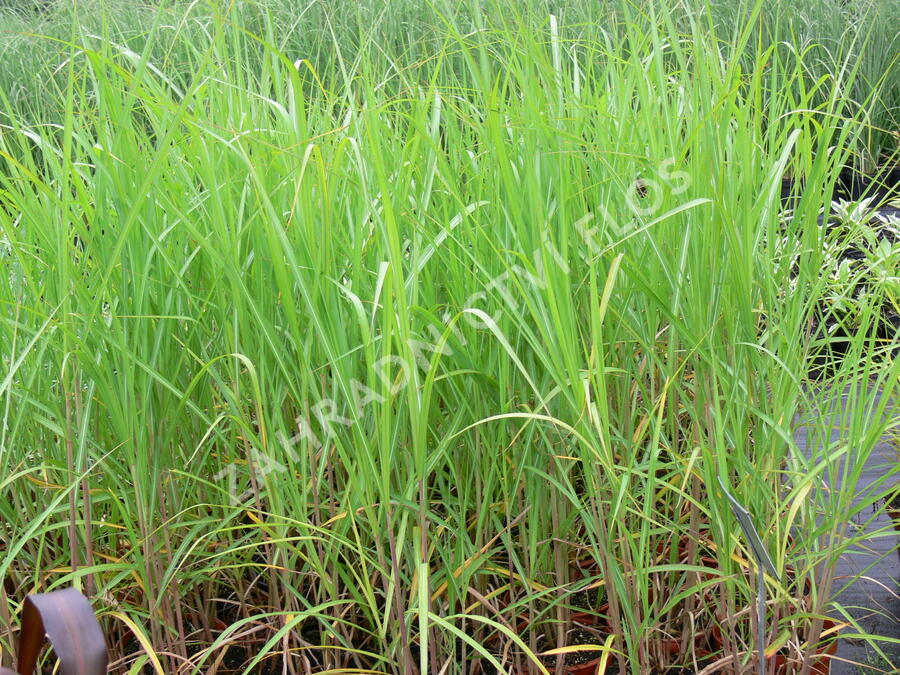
873, 598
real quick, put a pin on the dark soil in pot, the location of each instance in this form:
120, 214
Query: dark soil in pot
586, 662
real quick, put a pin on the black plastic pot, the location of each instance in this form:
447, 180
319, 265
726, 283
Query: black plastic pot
883, 184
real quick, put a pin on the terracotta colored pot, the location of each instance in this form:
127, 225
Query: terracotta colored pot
703, 560
596, 619
585, 568
895, 517
791, 574
820, 663
495, 639
673, 648
591, 667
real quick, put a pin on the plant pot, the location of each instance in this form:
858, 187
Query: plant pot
888, 180
892, 507
495, 639
672, 648
589, 668
882, 184
895, 517
585, 657
594, 619
791, 575
820, 663
592, 667
585, 568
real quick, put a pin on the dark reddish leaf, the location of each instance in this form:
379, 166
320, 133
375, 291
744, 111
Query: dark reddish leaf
66, 618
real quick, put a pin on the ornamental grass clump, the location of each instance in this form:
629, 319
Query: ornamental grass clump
423, 348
